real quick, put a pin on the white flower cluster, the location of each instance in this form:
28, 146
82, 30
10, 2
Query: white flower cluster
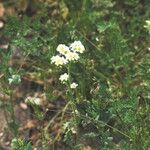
73, 85
77, 46
64, 78
58, 60
67, 54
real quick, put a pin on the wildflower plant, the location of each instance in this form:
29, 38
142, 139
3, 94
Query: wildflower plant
106, 83
66, 57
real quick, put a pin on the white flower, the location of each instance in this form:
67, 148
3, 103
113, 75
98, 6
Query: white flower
58, 60
72, 56
77, 46
64, 77
73, 85
63, 49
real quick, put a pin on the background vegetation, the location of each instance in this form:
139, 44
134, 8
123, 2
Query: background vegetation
109, 110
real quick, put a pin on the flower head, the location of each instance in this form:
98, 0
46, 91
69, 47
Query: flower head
63, 49
58, 60
73, 85
67, 54
72, 56
64, 77
77, 46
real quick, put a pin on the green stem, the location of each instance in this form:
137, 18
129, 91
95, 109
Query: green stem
13, 115
71, 95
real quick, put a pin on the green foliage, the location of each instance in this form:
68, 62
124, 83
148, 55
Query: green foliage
112, 97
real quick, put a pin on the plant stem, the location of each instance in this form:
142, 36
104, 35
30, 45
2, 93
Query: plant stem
71, 95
